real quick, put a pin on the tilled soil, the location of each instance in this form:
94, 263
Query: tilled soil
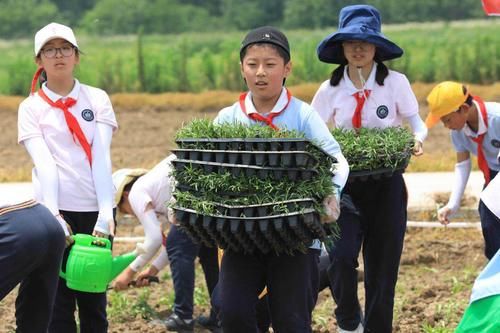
437, 270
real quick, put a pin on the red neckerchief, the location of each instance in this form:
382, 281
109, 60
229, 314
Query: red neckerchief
258, 117
73, 125
481, 159
360, 102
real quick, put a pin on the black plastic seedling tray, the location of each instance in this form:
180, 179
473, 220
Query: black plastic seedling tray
251, 144
247, 170
284, 159
375, 174
283, 233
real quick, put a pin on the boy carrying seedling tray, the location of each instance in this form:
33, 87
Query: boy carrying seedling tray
291, 279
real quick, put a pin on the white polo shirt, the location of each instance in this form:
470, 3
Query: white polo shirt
386, 105
491, 143
36, 118
154, 187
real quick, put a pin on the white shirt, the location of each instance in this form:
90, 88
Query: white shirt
13, 198
36, 118
386, 105
154, 187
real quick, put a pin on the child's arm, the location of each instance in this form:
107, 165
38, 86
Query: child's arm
152, 243
462, 172
47, 175
419, 131
101, 174
156, 266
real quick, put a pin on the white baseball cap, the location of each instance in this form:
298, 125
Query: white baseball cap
122, 178
52, 31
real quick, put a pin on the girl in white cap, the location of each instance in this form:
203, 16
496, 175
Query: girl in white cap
363, 92
66, 127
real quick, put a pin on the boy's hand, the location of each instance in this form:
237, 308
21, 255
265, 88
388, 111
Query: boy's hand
418, 148
332, 209
444, 215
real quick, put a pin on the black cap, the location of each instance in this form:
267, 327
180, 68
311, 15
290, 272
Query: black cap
266, 34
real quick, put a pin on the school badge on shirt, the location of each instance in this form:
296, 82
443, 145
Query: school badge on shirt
382, 111
495, 143
88, 115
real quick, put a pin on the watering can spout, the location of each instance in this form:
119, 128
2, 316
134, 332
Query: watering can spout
119, 263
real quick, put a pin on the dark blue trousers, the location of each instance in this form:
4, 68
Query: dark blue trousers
373, 216
91, 306
292, 284
31, 248
490, 225
182, 253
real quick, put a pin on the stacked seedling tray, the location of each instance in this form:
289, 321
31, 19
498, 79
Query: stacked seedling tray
251, 194
373, 153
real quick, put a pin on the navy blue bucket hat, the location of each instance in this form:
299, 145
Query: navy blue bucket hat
358, 22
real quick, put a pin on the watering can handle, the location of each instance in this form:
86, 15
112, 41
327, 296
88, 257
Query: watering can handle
63, 264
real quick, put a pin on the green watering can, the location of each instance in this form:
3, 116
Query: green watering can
91, 266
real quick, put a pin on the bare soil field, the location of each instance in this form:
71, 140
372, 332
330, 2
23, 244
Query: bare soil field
437, 268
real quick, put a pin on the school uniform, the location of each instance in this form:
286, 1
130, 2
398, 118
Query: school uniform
77, 200
155, 188
463, 141
31, 249
291, 280
373, 212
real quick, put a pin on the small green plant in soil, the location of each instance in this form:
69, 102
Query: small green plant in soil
375, 148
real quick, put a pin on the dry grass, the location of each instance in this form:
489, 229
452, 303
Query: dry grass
148, 123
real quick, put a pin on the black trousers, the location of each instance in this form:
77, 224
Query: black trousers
182, 253
490, 226
292, 284
91, 306
31, 248
373, 216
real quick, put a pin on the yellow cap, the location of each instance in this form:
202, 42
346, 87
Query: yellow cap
122, 178
444, 98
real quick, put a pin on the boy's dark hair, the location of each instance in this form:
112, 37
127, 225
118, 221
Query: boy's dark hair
268, 35
380, 75
469, 98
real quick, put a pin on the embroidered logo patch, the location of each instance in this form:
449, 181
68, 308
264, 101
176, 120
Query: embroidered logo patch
382, 111
495, 143
88, 115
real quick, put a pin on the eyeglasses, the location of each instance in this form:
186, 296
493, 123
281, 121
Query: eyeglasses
51, 52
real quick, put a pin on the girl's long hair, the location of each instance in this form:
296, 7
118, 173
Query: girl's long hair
380, 75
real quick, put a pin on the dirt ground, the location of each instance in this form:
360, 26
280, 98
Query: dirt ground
437, 269
436, 273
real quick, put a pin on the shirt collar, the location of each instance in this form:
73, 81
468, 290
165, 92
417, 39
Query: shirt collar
368, 85
55, 97
279, 106
481, 126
